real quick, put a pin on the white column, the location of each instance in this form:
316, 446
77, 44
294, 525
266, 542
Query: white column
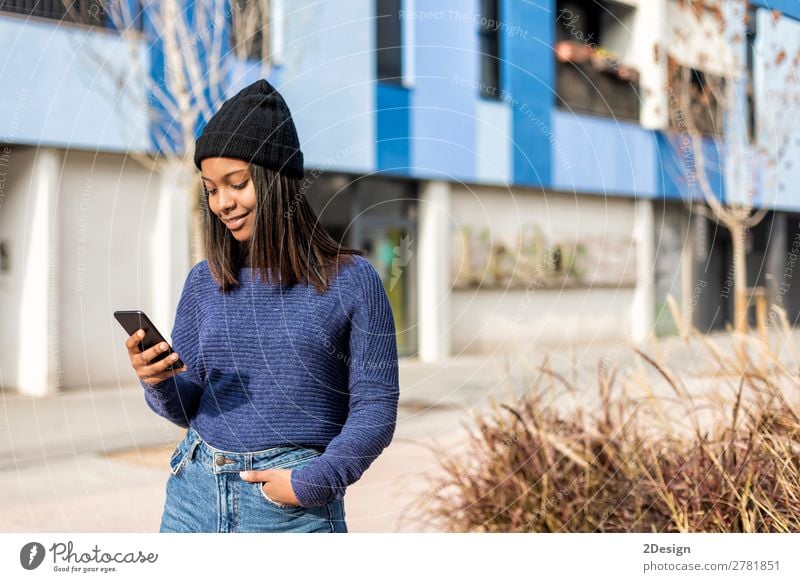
37, 329
652, 30
690, 289
434, 271
171, 245
642, 317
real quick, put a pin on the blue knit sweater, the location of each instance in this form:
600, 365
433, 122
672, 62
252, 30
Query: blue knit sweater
271, 366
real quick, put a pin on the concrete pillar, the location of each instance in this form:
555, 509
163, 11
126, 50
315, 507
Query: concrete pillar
39, 365
643, 305
776, 255
689, 294
652, 30
170, 245
433, 259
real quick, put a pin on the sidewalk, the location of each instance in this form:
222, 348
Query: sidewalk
95, 460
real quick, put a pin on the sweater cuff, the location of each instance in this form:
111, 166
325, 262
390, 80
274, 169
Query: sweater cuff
163, 392
164, 399
310, 487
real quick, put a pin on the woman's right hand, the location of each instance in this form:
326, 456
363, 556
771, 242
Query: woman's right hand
150, 374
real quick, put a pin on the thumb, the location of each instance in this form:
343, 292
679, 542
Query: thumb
254, 475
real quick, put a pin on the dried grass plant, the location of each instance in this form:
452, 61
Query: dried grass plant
649, 456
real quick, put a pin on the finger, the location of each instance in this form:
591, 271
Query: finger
150, 354
161, 368
152, 380
132, 343
255, 476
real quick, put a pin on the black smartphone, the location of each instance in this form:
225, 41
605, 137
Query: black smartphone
132, 321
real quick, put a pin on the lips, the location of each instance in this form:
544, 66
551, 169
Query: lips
236, 222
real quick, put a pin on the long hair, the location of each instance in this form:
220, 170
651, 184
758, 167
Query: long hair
288, 242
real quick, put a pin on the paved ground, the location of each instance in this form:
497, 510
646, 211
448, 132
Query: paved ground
96, 460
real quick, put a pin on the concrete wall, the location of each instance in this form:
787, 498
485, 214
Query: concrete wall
79, 226
512, 319
698, 43
107, 213
778, 116
15, 221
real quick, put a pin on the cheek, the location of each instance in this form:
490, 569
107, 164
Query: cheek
250, 199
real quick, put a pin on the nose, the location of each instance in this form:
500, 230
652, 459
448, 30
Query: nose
226, 199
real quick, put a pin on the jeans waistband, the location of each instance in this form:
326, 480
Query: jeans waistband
232, 462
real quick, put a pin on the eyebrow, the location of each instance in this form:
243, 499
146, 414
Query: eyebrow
226, 175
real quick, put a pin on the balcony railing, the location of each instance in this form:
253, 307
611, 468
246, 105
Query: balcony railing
591, 81
88, 12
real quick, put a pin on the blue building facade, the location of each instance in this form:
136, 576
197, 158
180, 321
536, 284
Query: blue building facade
391, 96
434, 119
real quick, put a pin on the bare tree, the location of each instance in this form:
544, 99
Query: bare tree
202, 42
196, 75
710, 102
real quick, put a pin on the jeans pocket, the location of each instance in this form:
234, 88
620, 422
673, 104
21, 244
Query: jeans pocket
270, 501
292, 459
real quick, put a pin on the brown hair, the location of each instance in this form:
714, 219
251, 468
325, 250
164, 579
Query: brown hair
287, 238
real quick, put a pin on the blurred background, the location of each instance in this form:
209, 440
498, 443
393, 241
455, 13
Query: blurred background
528, 178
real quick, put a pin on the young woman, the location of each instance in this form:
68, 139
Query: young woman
290, 384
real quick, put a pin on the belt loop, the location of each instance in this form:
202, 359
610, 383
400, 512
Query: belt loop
193, 447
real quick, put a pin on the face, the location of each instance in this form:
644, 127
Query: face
230, 194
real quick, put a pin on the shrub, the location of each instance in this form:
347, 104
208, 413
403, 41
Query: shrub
640, 459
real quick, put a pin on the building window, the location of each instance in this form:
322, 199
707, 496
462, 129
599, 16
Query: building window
750, 39
697, 94
249, 28
389, 41
592, 39
577, 20
88, 12
490, 48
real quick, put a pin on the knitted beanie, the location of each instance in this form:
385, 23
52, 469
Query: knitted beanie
254, 125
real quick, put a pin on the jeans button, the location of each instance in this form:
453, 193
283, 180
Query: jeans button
220, 460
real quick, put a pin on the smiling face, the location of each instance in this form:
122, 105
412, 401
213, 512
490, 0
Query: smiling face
231, 194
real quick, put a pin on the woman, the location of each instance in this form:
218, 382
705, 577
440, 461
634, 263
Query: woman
290, 385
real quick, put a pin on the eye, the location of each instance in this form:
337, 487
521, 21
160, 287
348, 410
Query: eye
210, 192
240, 186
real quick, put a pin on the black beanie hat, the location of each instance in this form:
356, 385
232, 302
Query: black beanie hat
254, 125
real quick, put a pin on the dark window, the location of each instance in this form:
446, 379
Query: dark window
696, 95
490, 48
89, 12
705, 108
389, 41
590, 76
751, 61
249, 30
578, 21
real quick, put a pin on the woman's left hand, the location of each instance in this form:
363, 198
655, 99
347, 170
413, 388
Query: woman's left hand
277, 484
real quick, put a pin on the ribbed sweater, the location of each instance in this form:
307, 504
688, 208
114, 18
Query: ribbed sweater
270, 365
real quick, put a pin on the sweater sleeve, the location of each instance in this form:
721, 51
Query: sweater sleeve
373, 398
177, 398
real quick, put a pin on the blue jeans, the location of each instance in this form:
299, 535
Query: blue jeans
206, 494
